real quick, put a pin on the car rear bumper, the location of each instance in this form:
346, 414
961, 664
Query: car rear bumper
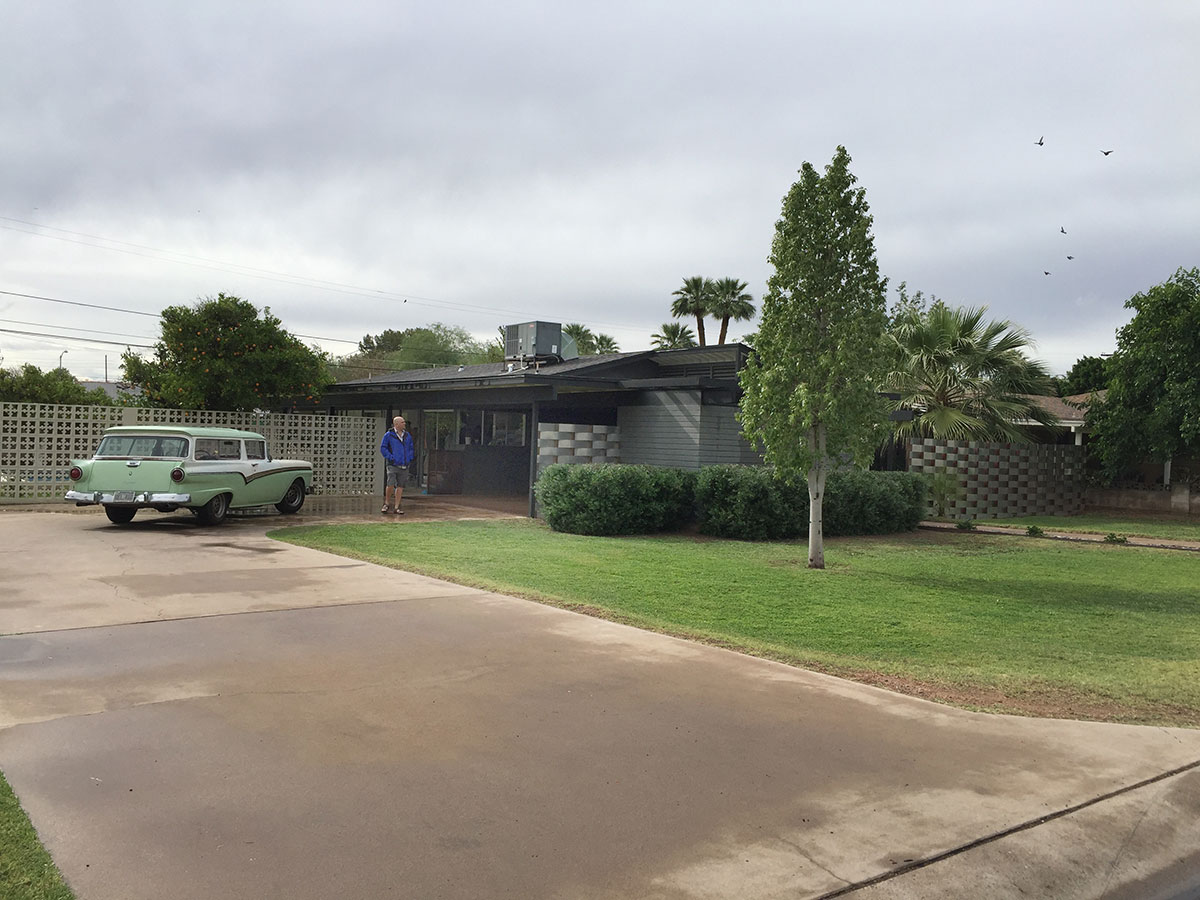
131, 498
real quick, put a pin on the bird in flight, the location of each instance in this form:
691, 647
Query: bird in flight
1044, 272
1070, 257
1040, 141
1063, 230
1106, 152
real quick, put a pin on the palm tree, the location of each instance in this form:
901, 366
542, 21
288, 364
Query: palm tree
964, 378
730, 301
673, 336
605, 343
585, 340
693, 300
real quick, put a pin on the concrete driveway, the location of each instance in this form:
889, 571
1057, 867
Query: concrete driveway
201, 713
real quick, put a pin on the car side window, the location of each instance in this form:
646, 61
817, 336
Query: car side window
175, 448
256, 449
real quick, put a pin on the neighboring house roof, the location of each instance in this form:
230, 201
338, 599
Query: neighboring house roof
1070, 410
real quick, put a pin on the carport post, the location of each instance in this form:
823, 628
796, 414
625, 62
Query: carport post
533, 456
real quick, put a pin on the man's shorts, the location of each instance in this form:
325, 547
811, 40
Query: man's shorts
397, 476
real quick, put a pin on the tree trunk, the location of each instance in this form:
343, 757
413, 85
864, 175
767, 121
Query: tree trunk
724, 330
700, 328
816, 498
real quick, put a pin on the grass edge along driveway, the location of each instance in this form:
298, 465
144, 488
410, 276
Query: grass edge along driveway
26, 870
991, 623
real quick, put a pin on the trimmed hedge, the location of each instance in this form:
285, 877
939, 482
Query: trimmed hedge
752, 503
610, 498
748, 503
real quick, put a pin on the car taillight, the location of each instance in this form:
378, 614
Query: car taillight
177, 474
75, 474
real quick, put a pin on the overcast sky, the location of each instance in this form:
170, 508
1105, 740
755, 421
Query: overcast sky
494, 163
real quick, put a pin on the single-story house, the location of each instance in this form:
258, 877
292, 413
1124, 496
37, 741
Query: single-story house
491, 428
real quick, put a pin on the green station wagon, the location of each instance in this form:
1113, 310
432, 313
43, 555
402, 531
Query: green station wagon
207, 471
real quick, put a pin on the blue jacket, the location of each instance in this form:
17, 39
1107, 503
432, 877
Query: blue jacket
398, 451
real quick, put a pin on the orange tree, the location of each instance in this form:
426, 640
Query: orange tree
222, 354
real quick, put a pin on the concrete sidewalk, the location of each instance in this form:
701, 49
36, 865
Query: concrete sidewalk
426, 740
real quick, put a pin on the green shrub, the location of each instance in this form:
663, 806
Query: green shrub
1034, 531
1114, 538
753, 503
749, 503
862, 502
965, 525
609, 498
944, 489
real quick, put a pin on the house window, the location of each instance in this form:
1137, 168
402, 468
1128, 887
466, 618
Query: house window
505, 429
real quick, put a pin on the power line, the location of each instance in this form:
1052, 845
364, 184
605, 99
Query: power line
69, 337
138, 312
132, 312
250, 272
254, 272
76, 328
159, 316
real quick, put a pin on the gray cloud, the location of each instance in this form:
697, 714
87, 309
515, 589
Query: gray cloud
540, 160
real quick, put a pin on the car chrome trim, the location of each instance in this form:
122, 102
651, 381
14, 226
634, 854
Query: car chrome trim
140, 498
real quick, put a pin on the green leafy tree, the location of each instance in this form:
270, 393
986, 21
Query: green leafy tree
908, 306
673, 336
1152, 409
386, 341
493, 351
420, 347
221, 354
963, 377
29, 384
729, 300
810, 384
692, 300
1089, 374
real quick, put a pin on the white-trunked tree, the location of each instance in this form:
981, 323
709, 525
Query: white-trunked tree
811, 386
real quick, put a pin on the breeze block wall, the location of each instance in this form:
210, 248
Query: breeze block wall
1004, 480
567, 443
38, 442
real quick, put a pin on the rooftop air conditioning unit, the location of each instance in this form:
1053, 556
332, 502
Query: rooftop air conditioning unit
533, 341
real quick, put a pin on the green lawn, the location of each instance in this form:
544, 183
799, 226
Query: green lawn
1149, 525
26, 870
1022, 625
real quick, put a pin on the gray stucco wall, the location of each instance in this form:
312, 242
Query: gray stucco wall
673, 428
721, 439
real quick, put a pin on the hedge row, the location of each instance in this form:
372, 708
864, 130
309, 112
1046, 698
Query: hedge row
615, 499
741, 502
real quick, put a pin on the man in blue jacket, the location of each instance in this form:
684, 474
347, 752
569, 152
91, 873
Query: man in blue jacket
397, 449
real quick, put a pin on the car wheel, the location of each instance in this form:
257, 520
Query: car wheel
293, 499
214, 511
120, 515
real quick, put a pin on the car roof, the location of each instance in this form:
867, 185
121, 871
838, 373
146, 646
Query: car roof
197, 431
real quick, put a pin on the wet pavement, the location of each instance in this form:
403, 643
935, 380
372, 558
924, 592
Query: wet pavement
203, 712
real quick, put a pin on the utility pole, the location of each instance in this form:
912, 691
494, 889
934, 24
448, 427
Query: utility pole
60, 356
